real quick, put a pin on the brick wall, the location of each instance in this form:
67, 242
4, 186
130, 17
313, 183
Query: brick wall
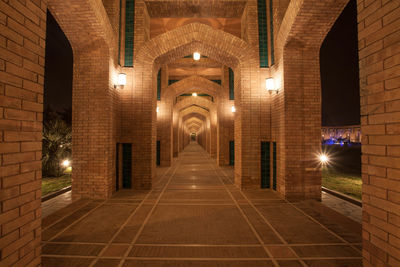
22, 51
379, 55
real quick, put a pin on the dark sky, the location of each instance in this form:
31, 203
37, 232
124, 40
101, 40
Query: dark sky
58, 68
339, 70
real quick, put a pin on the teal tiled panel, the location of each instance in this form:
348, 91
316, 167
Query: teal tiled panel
271, 17
231, 85
159, 85
129, 32
262, 33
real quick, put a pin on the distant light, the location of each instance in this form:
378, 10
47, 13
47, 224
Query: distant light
233, 109
66, 163
194, 94
122, 79
157, 109
196, 55
323, 158
270, 84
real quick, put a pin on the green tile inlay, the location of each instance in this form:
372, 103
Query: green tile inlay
126, 165
129, 31
231, 153
265, 165
274, 166
158, 155
119, 33
271, 20
172, 81
217, 81
262, 33
159, 85
231, 85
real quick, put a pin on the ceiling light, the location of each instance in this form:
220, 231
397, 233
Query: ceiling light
196, 55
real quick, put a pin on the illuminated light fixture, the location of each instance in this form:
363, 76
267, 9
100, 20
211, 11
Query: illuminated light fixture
196, 56
121, 80
157, 109
194, 94
270, 84
323, 158
233, 109
66, 163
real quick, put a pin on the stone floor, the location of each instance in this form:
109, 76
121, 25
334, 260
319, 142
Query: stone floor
194, 216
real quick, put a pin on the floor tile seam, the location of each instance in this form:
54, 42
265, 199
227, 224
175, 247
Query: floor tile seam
266, 221
148, 215
78, 220
201, 245
129, 217
244, 216
203, 258
317, 222
64, 216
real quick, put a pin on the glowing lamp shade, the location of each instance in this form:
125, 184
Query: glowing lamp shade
233, 109
158, 109
196, 55
194, 94
270, 84
66, 163
122, 79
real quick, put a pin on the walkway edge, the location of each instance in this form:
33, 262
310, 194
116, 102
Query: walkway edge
57, 193
342, 196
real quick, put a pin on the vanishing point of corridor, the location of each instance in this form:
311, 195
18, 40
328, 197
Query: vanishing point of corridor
195, 216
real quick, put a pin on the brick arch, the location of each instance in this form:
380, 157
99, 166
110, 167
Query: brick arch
189, 84
84, 22
169, 46
298, 47
89, 31
194, 109
199, 101
217, 45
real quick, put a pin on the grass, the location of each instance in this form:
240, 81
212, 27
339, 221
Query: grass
52, 184
346, 183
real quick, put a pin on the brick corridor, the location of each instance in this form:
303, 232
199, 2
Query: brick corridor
195, 216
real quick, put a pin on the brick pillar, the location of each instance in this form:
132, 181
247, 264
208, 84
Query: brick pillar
247, 125
302, 116
164, 120
93, 140
22, 52
175, 138
379, 54
225, 121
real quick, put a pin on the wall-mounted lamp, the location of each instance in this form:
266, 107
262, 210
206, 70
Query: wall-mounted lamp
194, 94
196, 56
157, 109
270, 85
233, 109
121, 80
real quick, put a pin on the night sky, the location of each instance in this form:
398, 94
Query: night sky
339, 70
58, 68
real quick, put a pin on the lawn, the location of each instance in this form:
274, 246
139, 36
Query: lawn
343, 182
52, 184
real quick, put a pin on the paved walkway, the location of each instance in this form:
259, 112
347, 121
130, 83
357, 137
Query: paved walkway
194, 216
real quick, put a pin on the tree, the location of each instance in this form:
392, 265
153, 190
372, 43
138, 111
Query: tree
56, 144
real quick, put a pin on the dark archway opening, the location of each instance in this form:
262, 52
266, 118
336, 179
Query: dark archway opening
341, 136
57, 115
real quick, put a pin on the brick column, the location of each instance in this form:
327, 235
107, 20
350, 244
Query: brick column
379, 55
22, 52
93, 139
